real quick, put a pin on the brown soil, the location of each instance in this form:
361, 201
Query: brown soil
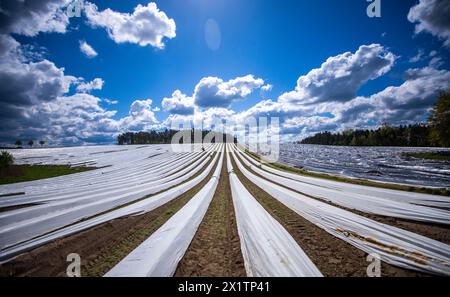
101, 247
8, 208
11, 171
332, 256
215, 249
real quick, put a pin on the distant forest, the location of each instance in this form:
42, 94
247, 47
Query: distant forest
436, 133
414, 135
160, 137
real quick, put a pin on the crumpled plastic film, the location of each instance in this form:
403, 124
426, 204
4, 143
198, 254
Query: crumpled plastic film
140, 207
395, 246
267, 248
159, 255
394, 195
363, 202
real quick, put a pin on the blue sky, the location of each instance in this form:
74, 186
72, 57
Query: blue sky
275, 41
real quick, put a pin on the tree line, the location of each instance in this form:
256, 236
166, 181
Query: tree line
413, 135
165, 137
436, 133
18, 143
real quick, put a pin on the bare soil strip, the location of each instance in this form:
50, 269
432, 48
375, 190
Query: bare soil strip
215, 250
9, 208
434, 231
333, 256
101, 247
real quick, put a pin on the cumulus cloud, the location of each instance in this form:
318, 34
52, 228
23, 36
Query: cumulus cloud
30, 17
146, 25
404, 104
179, 103
214, 92
35, 103
87, 49
432, 16
141, 117
417, 93
86, 87
341, 76
24, 83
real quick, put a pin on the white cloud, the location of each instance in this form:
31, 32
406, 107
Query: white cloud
179, 103
432, 16
24, 83
111, 102
436, 62
87, 49
29, 17
214, 92
86, 87
147, 25
341, 76
140, 118
419, 57
267, 88
35, 104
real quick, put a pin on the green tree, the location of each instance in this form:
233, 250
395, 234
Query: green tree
30, 143
18, 143
6, 159
42, 142
439, 121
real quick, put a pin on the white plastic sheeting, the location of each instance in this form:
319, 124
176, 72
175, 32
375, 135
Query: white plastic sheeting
114, 177
267, 248
137, 208
395, 195
108, 162
395, 246
159, 255
75, 196
365, 203
51, 220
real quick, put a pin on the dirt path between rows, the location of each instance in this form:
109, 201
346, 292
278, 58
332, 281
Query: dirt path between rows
332, 256
215, 249
100, 247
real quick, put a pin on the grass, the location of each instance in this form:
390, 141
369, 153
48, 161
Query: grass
22, 173
439, 156
363, 182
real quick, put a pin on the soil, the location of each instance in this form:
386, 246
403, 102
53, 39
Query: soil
332, 256
11, 171
100, 247
215, 250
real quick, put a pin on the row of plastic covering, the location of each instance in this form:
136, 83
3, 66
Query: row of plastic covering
360, 201
267, 248
395, 246
160, 254
17, 238
394, 195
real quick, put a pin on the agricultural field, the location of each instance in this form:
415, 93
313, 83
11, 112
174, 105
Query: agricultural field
210, 210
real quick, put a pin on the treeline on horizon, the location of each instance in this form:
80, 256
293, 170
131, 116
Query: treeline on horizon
163, 137
436, 133
412, 135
